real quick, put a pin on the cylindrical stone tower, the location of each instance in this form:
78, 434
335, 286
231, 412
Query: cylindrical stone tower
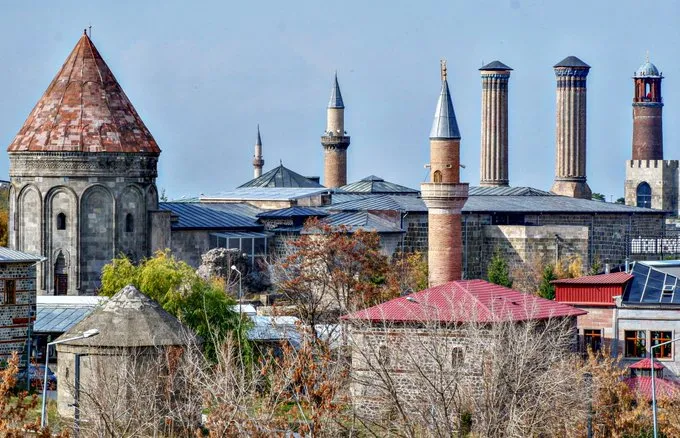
335, 141
570, 138
494, 151
647, 114
258, 161
444, 195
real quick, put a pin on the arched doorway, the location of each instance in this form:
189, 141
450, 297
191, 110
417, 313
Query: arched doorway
60, 275
644, 195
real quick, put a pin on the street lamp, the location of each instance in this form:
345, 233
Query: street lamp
240, 283
86, 334
654, 382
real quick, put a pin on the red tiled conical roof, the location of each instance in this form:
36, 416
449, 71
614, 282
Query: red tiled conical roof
84, 110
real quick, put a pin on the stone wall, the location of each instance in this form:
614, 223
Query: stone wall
190, 245
16, 317
662, 177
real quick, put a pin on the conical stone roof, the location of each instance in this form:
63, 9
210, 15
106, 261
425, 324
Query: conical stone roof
130, 319
84, 110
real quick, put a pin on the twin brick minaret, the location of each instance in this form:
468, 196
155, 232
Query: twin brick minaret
335, 141
494, 151
570, 138
258, 161
444, 195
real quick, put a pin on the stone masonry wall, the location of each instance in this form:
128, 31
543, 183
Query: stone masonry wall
15, 318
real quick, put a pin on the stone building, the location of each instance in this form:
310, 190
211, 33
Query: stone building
17, 300
494, 150
335, 140
651, 181
570, 137
83, 172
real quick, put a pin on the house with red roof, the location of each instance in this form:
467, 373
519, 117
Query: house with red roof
437, 332
640, 380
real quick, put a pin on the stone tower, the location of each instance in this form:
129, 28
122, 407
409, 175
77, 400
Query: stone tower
335, 141
258, 161
570, 138
444, 195
494, 151
651, 181
83, 177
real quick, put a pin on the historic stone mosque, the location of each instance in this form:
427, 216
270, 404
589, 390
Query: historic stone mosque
83, 169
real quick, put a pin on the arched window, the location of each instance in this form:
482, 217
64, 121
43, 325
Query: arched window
437, 176
61, 221
644, 195
129, 223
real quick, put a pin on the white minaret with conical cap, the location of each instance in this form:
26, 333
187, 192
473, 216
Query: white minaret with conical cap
258, 161
444, 195
335, 141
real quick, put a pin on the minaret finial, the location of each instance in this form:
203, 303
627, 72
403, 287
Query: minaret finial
647, 56
442, 64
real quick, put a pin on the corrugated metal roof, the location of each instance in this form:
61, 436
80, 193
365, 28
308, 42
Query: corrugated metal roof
613, 278
281, 177
336, 97
364, 221
240, 208
445, 125
643, 387
646, 364
382, 202
292, 212
200, 216
11, 256
375, 184
507, 191
58, 314
264, 194
495, 65
547, 204
466, 301
242, 234
339, 197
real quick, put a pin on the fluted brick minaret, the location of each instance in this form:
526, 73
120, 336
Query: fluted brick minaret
335, 141
444, 195
494, 151
258, 161
570, 138
647, 114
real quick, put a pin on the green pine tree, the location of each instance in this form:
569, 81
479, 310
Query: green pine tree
498, 271
546, 289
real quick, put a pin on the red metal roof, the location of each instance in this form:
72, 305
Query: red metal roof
84, 110
643, 386
466, 301
646, 364
613, 278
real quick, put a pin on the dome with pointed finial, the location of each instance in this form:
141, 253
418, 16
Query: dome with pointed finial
646, 70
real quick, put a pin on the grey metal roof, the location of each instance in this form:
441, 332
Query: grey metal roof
495, 65
258, 142
292, 212
445, 125
647, 70
339, 197
507, 191
382, 202
239, 208
375, 184
336, 97
11, 256
200, 216
264, 194
281, 177
571, 61
130, 319
547, 204
362, 220
242, 235
57, 314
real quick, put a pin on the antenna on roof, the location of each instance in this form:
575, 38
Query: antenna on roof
442, 64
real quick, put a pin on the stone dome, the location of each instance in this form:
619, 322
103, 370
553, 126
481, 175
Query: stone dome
647, 69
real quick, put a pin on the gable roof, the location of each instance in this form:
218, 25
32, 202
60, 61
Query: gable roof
375, 184
281, 177
84, 110
615, 278
465, 301
198, 216
362, 220
381, 203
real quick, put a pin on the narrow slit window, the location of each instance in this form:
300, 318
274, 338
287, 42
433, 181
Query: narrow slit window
10, 292
61, 221
129, 223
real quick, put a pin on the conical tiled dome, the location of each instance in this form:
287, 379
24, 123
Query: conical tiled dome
84, 110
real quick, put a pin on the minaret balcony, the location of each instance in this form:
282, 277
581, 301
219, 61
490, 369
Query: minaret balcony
335, 141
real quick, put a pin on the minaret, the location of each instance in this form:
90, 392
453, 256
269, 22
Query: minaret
258, 161
444, 195
570, 138
647, 112
494, 151
334, 140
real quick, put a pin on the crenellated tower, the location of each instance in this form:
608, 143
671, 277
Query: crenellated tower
570, 137
494, 151
258, 161
444, 195
335, 141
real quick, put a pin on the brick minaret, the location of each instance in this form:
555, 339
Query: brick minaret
258, 161
494, 152
570, 138
647, 110
444, 194
335, 141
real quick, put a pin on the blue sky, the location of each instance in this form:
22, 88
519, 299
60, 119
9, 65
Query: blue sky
203, 74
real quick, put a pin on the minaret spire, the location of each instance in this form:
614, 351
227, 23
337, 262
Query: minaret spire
335, 141
258, 161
